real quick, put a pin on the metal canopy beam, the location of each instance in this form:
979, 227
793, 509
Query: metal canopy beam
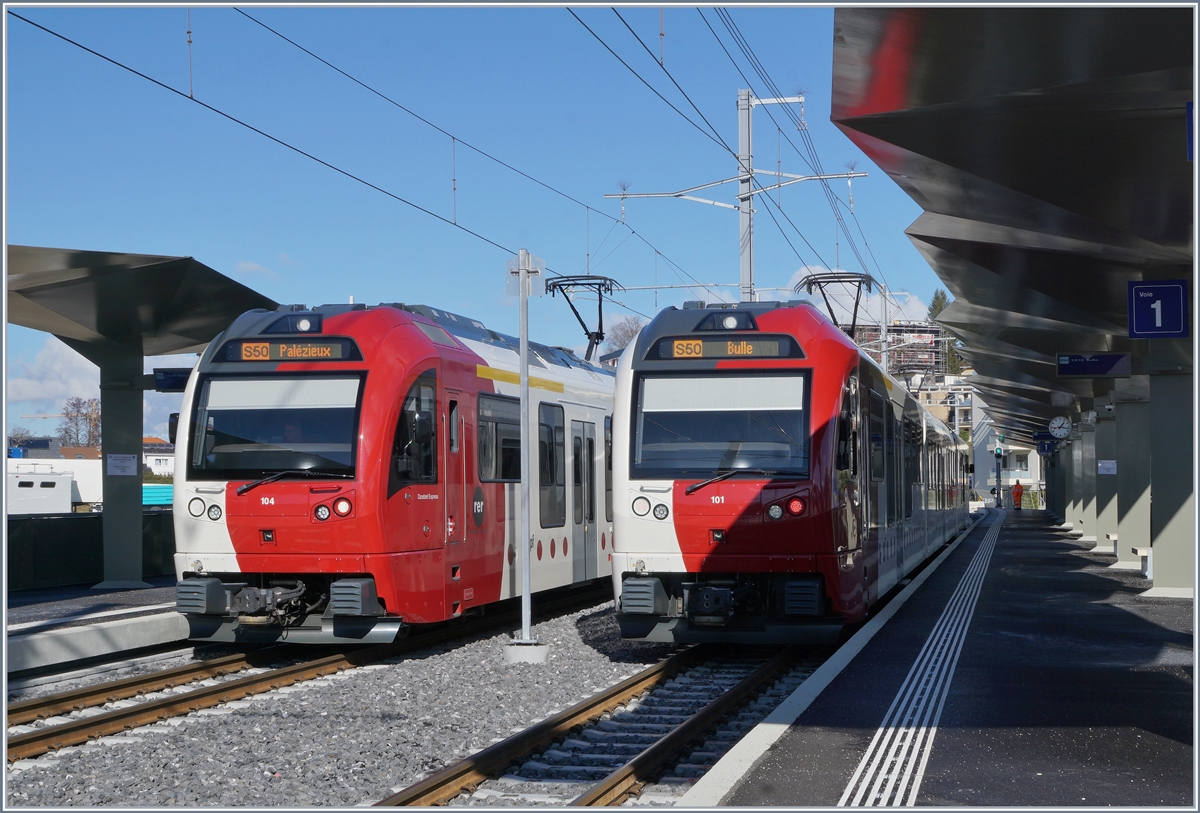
114, 309
1048, 147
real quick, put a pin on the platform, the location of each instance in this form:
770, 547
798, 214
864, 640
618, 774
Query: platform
1023, 671
50, 626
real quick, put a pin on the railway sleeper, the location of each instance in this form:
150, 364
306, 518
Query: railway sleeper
543, 771
619, 735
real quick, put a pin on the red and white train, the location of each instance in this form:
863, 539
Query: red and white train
770, 481
346, 471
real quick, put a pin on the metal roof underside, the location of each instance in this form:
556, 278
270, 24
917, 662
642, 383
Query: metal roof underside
135, 303
1048, 147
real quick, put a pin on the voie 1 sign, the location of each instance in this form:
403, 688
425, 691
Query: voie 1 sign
1158, 309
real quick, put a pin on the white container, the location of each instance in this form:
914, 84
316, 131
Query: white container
38, 489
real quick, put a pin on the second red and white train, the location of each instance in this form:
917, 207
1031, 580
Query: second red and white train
770, 481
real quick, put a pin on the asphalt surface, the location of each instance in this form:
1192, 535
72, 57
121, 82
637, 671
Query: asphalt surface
53, 603
1069, 689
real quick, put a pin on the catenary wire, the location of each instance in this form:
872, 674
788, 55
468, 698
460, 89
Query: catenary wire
456, 138
815, 164
716, 135
286, 144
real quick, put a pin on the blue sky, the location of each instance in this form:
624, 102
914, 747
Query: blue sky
98, 158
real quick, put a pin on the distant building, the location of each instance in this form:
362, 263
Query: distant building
43, 448
158, 455
80, 452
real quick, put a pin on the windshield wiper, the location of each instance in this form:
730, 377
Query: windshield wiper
725, 475
270, 478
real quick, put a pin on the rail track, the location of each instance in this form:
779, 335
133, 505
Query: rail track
63, 732
609, 747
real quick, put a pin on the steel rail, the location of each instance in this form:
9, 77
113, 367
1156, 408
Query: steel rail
25, 711
465, 775
633, 775
75, 732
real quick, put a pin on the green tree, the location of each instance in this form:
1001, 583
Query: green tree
953, 360
938, 304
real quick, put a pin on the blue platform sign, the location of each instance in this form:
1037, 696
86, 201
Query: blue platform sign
1158, 309
1045, 448
1044, 436
1093, 365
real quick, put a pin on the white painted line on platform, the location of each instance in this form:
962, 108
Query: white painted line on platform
901, 746
736, 764
66, 619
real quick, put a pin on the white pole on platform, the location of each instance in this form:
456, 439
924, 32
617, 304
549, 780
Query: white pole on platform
526, 536
525, 649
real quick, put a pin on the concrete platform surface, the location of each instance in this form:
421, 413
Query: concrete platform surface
71, 644
58, 625
31, 611
1024, 672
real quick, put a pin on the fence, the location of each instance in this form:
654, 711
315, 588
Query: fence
56, 550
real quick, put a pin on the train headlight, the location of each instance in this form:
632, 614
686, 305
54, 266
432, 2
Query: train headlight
214, 512
641, 506
661, 511
321, 512
196, 507
775, 512
729, 322
795, 506
342, 507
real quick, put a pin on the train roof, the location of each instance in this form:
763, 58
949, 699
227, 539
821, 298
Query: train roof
464, 327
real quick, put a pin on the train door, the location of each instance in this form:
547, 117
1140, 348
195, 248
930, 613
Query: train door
414, 509
453, 431
583, 499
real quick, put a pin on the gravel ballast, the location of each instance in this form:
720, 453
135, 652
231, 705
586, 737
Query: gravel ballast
344, 740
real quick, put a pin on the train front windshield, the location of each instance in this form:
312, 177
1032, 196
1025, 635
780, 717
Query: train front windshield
247, 427
697, 426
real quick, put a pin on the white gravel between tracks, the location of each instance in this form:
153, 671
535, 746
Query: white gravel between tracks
341, 741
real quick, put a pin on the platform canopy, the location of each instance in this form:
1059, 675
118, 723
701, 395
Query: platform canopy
1049, 148
141, 303
115, 309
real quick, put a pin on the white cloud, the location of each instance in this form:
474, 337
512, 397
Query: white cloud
58, 373
245, 268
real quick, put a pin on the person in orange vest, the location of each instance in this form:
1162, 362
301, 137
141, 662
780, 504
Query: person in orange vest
1017, 491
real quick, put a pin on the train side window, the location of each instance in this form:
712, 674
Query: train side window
414, 456
847, 443
912, 463
499, 439
891, 449
876, 429
608, 468
551, 466
454, 438
591, 490
577, 478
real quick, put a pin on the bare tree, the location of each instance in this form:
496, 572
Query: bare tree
622, 333
18, 435
80, 425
